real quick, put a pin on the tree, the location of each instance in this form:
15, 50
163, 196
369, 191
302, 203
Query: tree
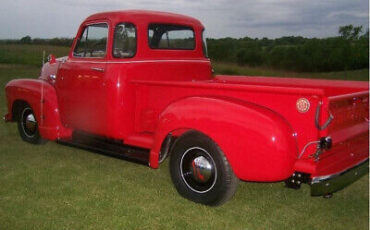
349, 32
26, 40
348, 51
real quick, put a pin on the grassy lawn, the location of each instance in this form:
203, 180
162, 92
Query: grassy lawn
234, 69
57, 187
29, 54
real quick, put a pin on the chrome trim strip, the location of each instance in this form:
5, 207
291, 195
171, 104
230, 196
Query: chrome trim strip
142, 61
97, 69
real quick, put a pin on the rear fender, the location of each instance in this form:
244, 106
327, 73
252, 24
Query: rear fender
259, 144
41, 96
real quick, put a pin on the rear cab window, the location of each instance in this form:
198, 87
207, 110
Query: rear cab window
172, 37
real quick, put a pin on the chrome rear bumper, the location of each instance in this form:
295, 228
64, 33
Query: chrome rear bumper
324, 185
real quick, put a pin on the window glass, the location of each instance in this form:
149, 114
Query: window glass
124, 43
93, 42
163, 36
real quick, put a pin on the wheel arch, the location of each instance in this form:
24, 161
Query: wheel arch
235, 127
42, 98
17, 107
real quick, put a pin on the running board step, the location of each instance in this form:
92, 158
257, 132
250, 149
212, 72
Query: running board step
107, 146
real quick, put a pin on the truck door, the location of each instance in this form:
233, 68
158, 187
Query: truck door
80, 83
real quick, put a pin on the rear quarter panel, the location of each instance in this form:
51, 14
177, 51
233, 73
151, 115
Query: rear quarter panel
258, 143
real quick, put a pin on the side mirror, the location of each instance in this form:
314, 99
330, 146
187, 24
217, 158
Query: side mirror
51, 59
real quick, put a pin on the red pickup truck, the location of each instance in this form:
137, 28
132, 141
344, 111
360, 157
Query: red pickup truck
139, 84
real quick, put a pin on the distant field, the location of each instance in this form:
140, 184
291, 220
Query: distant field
29, 54
58, 187
32, 55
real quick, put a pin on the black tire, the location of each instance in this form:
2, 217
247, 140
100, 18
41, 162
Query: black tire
28, 127
200, 171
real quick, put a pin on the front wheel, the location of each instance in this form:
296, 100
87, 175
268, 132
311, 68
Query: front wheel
28, 127
200, 171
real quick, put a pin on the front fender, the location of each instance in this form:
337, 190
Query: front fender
42, 98
258, 143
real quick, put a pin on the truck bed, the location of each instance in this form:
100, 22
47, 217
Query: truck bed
279, 95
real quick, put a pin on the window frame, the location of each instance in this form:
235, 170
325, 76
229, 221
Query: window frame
82, 32
170, 24
204, 44
113, 40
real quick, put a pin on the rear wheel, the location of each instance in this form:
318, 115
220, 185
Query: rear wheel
28, 127
200, 171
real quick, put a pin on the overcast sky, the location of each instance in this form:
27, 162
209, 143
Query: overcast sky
222, 18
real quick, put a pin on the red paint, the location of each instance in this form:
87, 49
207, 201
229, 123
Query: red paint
48, 118
140, 100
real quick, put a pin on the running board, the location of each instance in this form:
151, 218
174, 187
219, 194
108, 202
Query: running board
107, 146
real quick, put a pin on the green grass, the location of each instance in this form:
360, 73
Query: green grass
29, 54
57, 187
234, 69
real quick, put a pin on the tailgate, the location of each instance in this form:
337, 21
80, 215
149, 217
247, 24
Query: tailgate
349, 131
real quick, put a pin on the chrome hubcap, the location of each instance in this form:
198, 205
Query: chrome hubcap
198, 170
29, 123
201, 169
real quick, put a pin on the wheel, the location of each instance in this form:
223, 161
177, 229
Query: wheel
27, 126
200, 170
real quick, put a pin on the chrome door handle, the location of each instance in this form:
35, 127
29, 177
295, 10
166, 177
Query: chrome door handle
97, 69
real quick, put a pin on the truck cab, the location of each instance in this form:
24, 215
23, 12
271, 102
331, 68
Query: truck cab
112, 49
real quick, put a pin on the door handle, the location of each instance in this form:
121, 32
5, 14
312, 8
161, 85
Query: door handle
97, 69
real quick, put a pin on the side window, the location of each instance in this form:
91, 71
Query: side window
162, 36
124, 41
93, 41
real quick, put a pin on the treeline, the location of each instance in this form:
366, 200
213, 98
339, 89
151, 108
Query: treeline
348, 51
39, 41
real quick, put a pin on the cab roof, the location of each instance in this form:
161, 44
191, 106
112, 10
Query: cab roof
145, 16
